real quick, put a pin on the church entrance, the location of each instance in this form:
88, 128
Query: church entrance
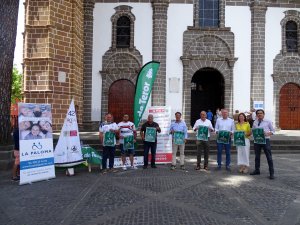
120, 99
289, 108
207, 92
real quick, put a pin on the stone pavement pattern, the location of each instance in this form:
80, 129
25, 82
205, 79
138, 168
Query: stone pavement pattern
158, 196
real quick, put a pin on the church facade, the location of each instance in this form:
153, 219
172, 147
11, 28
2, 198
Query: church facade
236, 54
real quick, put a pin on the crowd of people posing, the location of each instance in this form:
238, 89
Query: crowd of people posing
224, 128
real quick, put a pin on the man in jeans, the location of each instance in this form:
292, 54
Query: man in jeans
180, 127
203, 144
149, 144
260, 122
109, 147
226, 124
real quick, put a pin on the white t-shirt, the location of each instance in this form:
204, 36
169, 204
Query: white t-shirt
105, 127
206, 123
126, 129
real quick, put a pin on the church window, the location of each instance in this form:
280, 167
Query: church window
291, 36
123, 32
209, 13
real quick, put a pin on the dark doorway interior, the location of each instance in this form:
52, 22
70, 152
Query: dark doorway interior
207, 92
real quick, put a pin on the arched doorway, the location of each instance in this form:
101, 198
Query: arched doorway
289, 107
207, 92
120, 99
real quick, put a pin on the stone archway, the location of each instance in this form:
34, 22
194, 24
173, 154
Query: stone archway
206, 49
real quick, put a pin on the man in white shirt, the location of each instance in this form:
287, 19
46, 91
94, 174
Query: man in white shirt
226, 124
126, 128
107, 136
203, 144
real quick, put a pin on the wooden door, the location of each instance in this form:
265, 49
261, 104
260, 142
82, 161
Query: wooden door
289, 108
120, 99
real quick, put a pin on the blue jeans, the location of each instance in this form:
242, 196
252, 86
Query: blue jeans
108, 153
267, 149
227, 150
147, 146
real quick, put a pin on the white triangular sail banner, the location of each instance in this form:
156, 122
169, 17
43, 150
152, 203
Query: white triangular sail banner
68, 148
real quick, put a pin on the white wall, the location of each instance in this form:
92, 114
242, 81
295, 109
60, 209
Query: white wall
273, 47
180, 16
102, 42
239, 19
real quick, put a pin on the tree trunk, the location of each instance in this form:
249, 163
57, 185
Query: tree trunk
8, 31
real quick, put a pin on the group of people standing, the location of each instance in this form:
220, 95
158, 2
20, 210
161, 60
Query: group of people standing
178, 130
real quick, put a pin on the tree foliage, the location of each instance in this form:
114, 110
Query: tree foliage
8, 32
16, 86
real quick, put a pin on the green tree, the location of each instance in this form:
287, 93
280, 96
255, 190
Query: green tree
8, 32
16, 86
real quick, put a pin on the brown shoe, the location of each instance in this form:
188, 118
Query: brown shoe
198, 167
245, 169
206, 168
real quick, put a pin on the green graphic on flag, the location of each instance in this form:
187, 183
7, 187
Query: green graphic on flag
259, 136
91, 155
150, 134
223, 137
143, 89
178, 138
109, 139
239, 138
128, 142
202, 133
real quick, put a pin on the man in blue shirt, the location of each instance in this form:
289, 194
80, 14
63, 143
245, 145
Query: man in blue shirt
178, 130
260, 122
210, 116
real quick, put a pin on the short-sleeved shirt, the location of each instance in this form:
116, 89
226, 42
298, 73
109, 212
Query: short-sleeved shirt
147, 124
126, 129
105, 127
206, 123
243, 127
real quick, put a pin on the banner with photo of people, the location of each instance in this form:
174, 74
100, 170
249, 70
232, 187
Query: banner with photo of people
36, 142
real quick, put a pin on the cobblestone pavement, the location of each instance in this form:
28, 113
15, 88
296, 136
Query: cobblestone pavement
158, 196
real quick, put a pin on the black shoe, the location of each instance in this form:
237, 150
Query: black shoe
272, 177
15, 178
154, 166
145, 167
255, 172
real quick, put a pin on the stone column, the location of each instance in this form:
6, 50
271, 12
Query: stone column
159, 50
88, 6
258, 21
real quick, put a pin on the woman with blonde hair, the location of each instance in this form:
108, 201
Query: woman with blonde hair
243, 152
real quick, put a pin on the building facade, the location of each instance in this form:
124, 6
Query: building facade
213, 54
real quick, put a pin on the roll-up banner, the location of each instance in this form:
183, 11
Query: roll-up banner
36, 142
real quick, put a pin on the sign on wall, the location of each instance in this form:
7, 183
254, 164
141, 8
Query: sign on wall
36, 142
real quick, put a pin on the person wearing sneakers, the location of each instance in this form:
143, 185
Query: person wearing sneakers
126, 128
178, 130
203, 144
261, 122
107, 136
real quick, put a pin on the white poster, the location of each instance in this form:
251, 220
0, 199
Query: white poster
162, 116
36, 142
68, 148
